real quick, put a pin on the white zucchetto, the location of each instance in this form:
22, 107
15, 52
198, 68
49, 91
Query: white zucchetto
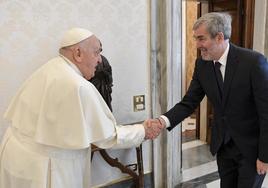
74, 36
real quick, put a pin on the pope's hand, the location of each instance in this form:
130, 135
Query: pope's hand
153, 128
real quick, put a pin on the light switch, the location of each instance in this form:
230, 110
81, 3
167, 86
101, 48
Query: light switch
139, 103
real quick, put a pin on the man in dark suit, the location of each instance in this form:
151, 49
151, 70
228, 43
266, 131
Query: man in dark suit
235, 80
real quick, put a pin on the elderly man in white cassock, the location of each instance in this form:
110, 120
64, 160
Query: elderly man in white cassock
56, 116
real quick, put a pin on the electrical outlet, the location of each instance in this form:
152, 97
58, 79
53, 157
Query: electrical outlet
139, 103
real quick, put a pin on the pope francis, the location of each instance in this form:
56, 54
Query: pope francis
55, 117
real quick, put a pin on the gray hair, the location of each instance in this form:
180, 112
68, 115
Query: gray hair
216, 22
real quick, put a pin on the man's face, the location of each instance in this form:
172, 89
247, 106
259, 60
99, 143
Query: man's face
209, 47
91, 57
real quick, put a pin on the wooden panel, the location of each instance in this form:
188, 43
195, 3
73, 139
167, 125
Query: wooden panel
236, 28
248, 23
191, 52
232, 7
224, 6
221, 1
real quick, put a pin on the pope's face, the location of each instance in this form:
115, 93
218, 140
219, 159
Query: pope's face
91, 57
208, 46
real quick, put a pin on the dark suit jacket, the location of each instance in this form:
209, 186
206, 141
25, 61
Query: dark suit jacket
243, 110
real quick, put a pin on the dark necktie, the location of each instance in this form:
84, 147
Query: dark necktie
219, 77
217, 65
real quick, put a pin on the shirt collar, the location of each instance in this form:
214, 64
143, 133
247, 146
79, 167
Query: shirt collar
74, 67
223, 58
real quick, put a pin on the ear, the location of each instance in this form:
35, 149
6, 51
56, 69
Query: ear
77, 54
220, 37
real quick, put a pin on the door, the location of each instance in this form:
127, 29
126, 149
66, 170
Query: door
242, 12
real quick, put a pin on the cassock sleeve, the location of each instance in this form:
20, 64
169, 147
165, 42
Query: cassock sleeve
126, 136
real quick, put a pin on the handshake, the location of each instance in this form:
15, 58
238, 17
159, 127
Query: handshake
153, 127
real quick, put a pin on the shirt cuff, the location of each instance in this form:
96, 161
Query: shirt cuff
166, 120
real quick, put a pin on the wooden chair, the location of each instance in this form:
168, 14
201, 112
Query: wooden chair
134, 170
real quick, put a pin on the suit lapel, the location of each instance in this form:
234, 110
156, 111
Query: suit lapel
213, 81
231, 66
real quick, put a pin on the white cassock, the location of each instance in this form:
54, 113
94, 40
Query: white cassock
55, 116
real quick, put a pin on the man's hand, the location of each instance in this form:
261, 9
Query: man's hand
153, 128
262, 168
